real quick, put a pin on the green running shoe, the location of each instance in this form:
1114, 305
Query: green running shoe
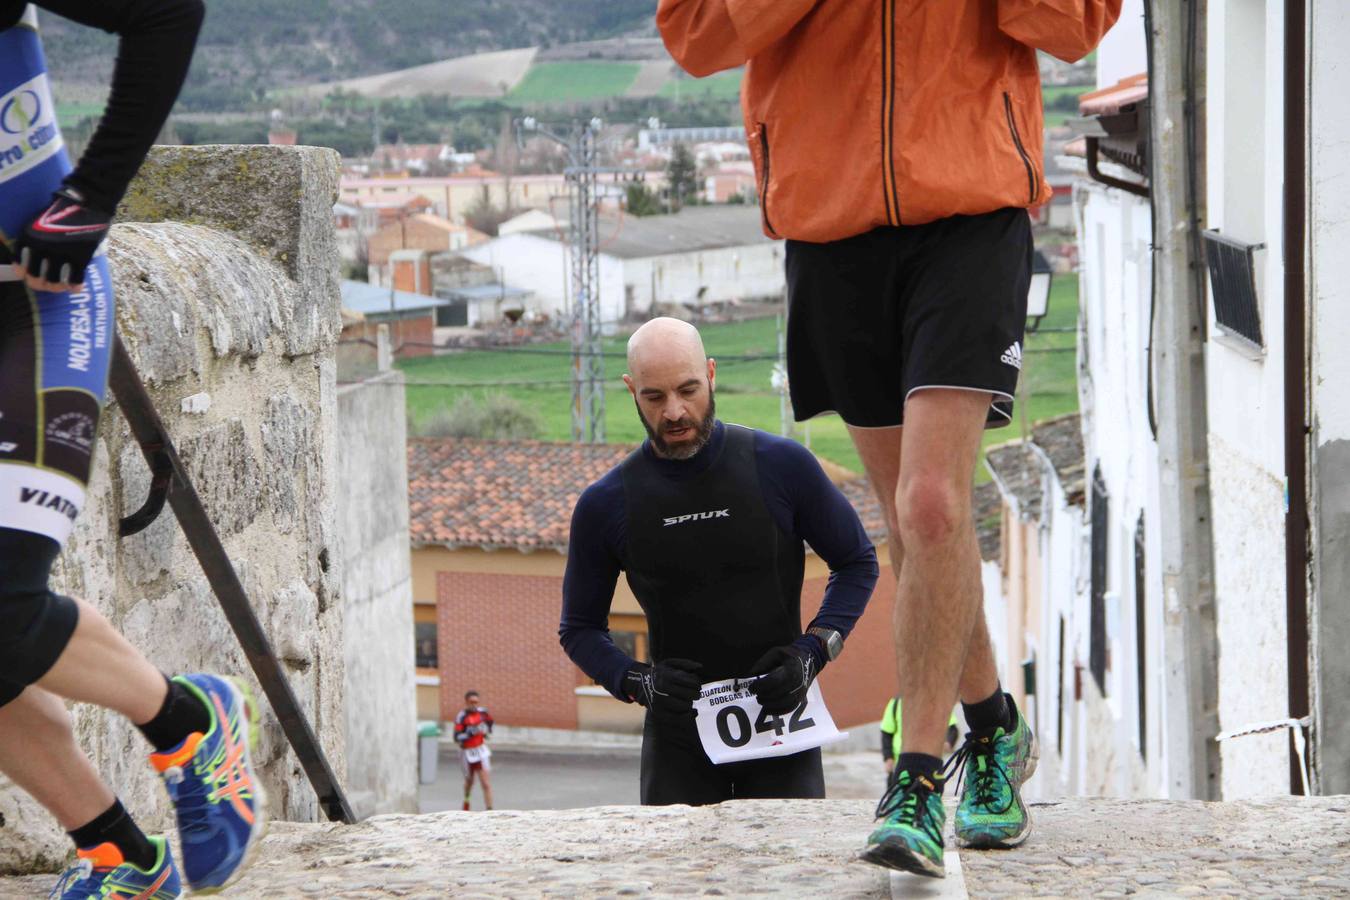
910, 836
997, 764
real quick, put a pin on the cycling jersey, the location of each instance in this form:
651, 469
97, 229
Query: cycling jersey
54, 347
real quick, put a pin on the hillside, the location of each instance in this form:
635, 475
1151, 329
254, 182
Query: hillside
250, 46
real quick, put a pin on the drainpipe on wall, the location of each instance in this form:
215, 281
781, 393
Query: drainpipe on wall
1296, 428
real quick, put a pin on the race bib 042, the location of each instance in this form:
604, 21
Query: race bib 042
733, 727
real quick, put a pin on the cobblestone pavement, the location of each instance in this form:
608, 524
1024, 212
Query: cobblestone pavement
1102, 848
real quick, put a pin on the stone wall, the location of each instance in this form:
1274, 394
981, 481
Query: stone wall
377, 594
227, 300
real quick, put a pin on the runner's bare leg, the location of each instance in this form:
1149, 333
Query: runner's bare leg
923, 474
100, 666
38, 753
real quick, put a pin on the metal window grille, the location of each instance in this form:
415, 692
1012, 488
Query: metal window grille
1232, 280
1139, 635
1097, 621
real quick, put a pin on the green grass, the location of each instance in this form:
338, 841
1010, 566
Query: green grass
722, 86
744, 394
564, 82
1051, 93
71, 114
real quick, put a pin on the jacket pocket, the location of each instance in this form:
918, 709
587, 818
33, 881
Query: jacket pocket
1033, 179
765, 174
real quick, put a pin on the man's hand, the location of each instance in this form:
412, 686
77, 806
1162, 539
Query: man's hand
889, 762
788, 673
54, 249
668, 688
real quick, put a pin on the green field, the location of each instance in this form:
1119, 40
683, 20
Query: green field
562, 82
743, 391
722, 86
69, 115
1053, 94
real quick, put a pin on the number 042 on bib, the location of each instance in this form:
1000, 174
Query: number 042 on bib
733, 727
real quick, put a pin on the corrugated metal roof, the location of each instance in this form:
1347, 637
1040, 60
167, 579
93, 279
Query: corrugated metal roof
691, 229
370, 299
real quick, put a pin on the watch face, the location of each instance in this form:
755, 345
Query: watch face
834, 641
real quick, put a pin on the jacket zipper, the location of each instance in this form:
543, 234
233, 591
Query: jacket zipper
1032, 182
764, 188
888, 184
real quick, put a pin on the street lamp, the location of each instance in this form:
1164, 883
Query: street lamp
1038, 294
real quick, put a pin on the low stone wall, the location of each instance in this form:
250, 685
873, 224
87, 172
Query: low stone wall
227, 300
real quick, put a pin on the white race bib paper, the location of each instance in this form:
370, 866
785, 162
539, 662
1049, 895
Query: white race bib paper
733, 727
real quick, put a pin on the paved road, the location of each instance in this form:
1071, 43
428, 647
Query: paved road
569, 780
538, 780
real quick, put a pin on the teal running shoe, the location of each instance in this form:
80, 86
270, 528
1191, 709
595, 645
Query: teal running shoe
991, 813
101, 872
909, 837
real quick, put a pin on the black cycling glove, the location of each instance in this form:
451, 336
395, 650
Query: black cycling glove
58, 245
668, 688
788, 673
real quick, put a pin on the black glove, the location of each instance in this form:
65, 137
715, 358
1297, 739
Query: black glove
668, 688
58, 245
788, 673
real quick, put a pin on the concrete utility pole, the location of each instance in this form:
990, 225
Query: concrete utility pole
1189, 633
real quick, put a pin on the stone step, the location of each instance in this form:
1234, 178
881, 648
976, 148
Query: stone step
1282, 847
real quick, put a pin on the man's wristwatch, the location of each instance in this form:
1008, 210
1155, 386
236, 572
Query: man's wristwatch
833, 641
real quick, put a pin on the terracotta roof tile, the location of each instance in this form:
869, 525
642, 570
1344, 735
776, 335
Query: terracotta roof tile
520, 494
500, 494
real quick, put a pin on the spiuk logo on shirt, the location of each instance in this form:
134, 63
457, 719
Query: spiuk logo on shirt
693, 517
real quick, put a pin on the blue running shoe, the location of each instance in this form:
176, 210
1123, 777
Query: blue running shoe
219, 802
102, 872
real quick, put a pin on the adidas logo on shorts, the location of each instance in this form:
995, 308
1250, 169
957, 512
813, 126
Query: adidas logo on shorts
1013, 356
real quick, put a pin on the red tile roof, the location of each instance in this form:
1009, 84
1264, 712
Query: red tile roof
500, 494
519, 495
1109, 100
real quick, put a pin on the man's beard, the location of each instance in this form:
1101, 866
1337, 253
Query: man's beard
688, 448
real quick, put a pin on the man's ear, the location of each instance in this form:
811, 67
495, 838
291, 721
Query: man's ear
712, 373
628, 382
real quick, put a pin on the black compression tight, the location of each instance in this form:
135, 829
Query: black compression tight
35, 624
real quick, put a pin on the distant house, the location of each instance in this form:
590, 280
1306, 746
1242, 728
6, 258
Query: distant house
411, 317
530, 220
698, 257
489, 525
423, 231
1058, 658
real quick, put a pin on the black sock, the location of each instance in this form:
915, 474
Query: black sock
921, 764
182, 714
116, 827
994, 711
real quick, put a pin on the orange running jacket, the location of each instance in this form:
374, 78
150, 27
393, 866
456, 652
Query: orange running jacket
862, 113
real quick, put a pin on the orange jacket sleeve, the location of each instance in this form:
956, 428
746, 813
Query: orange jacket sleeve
707, 36
1068, 29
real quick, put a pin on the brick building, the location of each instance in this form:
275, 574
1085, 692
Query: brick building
489, 523
422, 231
411, 319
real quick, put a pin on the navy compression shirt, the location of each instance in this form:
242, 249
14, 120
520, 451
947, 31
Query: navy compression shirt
802, 502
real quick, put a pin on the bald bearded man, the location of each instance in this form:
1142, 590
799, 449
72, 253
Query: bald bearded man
708, 521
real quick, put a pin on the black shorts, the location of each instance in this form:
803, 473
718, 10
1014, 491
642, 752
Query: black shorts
875, 317
675, 769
